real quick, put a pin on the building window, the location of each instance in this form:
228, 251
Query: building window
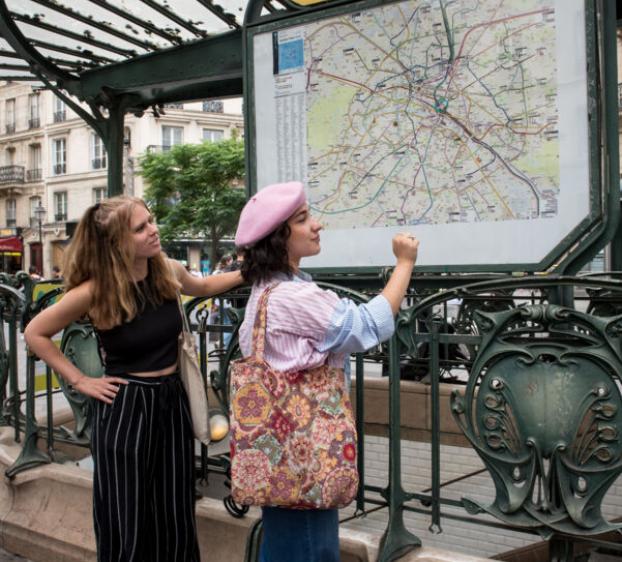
60, 111
98, 153
11, 212
171, 136
10, 116
99, 194
213, 106
9, 156
60, 206
127, 137
35, 202
213, 135
34, 121
34, 163
59, 157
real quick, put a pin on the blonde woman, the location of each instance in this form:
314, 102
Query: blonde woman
142, 444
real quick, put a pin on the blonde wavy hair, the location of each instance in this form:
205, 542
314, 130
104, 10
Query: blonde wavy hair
102, 251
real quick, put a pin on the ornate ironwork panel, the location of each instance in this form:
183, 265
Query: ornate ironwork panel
79, 344
542, 408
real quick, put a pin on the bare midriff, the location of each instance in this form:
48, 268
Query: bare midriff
159, 373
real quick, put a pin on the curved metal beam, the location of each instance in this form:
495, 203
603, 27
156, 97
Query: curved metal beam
9, 54
102, 26
77, 65
86, 38
158, 77
28, 78
136, 20
40, 65
89, 55
16, 67
220, 13
254, 7
174, 17
253, 11
94, 122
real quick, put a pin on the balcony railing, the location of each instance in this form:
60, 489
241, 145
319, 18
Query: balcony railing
60, 116
9, 128
98, 163
11, 222
34, 123
60, 217
11, 174
59, 169
34, 175
213, 106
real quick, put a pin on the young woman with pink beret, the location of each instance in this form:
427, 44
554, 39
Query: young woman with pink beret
306, 327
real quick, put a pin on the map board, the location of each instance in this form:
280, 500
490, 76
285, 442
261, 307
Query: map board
464, 122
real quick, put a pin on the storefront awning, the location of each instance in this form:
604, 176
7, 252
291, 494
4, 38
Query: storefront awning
11, 244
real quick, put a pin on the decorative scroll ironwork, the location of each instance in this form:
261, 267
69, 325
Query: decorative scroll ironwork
11, 310
542, 408
79, 344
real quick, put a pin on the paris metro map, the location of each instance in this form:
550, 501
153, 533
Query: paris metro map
424, 113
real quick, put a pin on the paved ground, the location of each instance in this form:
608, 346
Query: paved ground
8, 557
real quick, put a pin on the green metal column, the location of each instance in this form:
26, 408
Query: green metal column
360, 428
396, 540
114, 145
603, 20
616, 249
612, 71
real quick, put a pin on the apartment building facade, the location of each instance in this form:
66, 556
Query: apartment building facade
53, 165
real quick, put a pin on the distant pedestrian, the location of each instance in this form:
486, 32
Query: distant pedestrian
56, 274
34, 273
236, 261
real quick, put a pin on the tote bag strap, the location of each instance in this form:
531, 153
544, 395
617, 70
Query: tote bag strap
180, 304
259, 328
184, 318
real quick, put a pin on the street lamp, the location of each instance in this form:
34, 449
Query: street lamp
40, 214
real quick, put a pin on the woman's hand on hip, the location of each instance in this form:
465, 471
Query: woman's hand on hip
102, 388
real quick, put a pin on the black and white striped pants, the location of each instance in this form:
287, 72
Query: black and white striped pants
143, 485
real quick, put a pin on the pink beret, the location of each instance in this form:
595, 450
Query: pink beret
267, 209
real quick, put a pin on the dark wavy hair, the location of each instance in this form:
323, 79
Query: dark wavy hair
267, 257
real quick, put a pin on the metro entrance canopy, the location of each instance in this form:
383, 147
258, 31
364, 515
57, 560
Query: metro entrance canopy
126, 56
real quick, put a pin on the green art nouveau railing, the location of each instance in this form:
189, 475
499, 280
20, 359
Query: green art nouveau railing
538, 399
12, 308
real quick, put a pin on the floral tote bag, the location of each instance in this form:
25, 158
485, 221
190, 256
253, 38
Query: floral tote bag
293, 437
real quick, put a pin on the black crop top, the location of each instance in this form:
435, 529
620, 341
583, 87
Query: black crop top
147, 343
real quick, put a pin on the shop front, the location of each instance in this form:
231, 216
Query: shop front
11, 251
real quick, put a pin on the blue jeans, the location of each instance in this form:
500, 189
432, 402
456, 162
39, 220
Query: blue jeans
300, 535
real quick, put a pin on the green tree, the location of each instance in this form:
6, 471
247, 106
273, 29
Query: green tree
190, 190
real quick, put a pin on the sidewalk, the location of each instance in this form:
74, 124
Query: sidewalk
8, 557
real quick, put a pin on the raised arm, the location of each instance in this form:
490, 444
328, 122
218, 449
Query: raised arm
38, 335
205, 286
405, 248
